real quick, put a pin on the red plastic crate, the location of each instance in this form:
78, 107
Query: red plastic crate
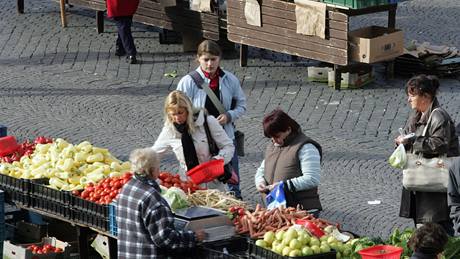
8, 145
381, 252
206, 172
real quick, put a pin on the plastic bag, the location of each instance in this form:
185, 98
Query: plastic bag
399, 157
276, 198
176, 198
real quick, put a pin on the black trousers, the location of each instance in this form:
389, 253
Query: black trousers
125, 37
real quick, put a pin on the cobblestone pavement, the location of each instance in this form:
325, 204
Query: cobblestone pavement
68, 83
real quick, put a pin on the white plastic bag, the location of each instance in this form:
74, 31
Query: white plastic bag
399, 157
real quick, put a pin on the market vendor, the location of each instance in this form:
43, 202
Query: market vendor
144, 218
293, 158
184, 133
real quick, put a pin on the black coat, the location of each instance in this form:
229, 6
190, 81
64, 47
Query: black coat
440, 140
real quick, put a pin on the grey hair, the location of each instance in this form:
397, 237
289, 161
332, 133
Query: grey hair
143, 160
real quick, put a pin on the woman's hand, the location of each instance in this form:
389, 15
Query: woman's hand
222, 119
401, 140
261, 187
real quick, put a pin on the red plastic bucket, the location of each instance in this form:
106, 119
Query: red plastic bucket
207, 171
381, 252
8, 145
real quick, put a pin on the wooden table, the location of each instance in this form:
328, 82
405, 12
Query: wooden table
278, 32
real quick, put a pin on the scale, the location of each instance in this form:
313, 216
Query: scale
216, 224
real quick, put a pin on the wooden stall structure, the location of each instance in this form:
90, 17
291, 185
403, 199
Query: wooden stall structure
278, 32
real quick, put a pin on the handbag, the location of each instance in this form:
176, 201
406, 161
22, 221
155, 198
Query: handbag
239, 136
426, 174
229, 175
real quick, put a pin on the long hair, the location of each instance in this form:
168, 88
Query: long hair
178, 100
423, 85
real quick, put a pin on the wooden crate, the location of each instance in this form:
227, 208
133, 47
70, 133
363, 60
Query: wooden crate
278, 32
178, 18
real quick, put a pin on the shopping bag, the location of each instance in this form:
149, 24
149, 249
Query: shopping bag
426, 174
276, 197
399, 157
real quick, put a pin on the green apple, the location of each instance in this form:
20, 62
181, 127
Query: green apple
338, 255
301, 232
307, 239
316, 249
286, 240
295, 253
279, 235
269, 237
295, 244
347, 252
291, 233
325, 248
340, 247
333, 245
286, 251
261, 243
323, 238
307, 251
278, 249
302, 239
275, 243
331, 239
314, 241
329, 229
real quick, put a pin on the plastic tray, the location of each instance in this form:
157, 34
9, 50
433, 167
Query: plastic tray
90, 207
262, 253
20, 198
357, 4
49, 206
90, 220
38, 188
113, 228
16, 184
226, 249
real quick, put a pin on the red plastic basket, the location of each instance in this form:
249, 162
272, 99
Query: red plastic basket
207, 171
8, 145
381, 252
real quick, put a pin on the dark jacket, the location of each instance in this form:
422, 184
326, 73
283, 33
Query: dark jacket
282, 163
440, 140
419, 255
453, 195
121, 7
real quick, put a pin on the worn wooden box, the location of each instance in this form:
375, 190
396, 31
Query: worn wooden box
278, 32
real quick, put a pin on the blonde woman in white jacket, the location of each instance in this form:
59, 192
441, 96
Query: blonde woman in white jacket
184, 134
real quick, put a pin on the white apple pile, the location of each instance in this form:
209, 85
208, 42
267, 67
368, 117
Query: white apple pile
298, 242
69, 167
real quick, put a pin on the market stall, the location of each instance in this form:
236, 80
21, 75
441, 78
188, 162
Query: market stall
277, 31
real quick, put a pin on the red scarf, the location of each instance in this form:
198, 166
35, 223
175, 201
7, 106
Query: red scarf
214, 81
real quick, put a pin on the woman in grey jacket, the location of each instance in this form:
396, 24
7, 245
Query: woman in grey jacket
440, 140
225, 86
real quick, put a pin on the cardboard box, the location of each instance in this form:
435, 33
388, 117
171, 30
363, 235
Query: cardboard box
374, 44
13, 251
101, 245
318, 74
352, 80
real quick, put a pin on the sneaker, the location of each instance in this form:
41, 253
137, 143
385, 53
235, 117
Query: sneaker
131, 59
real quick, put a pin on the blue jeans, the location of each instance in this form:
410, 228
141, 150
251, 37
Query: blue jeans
236, 166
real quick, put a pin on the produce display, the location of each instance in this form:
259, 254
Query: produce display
262, 220
105, 191
173, 180
24, 149
176, 198
68, 167
45, 249
214, 199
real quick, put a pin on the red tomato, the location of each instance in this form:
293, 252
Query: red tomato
84, 194
125, 180
58, 250
118, 184
76, 192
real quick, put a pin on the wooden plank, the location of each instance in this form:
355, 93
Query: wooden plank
289, 32
284, 13
287, 49
304, 44
93, 5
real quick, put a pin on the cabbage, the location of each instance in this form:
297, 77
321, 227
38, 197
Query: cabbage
176, 198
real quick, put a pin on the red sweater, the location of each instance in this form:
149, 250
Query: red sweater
121, 7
